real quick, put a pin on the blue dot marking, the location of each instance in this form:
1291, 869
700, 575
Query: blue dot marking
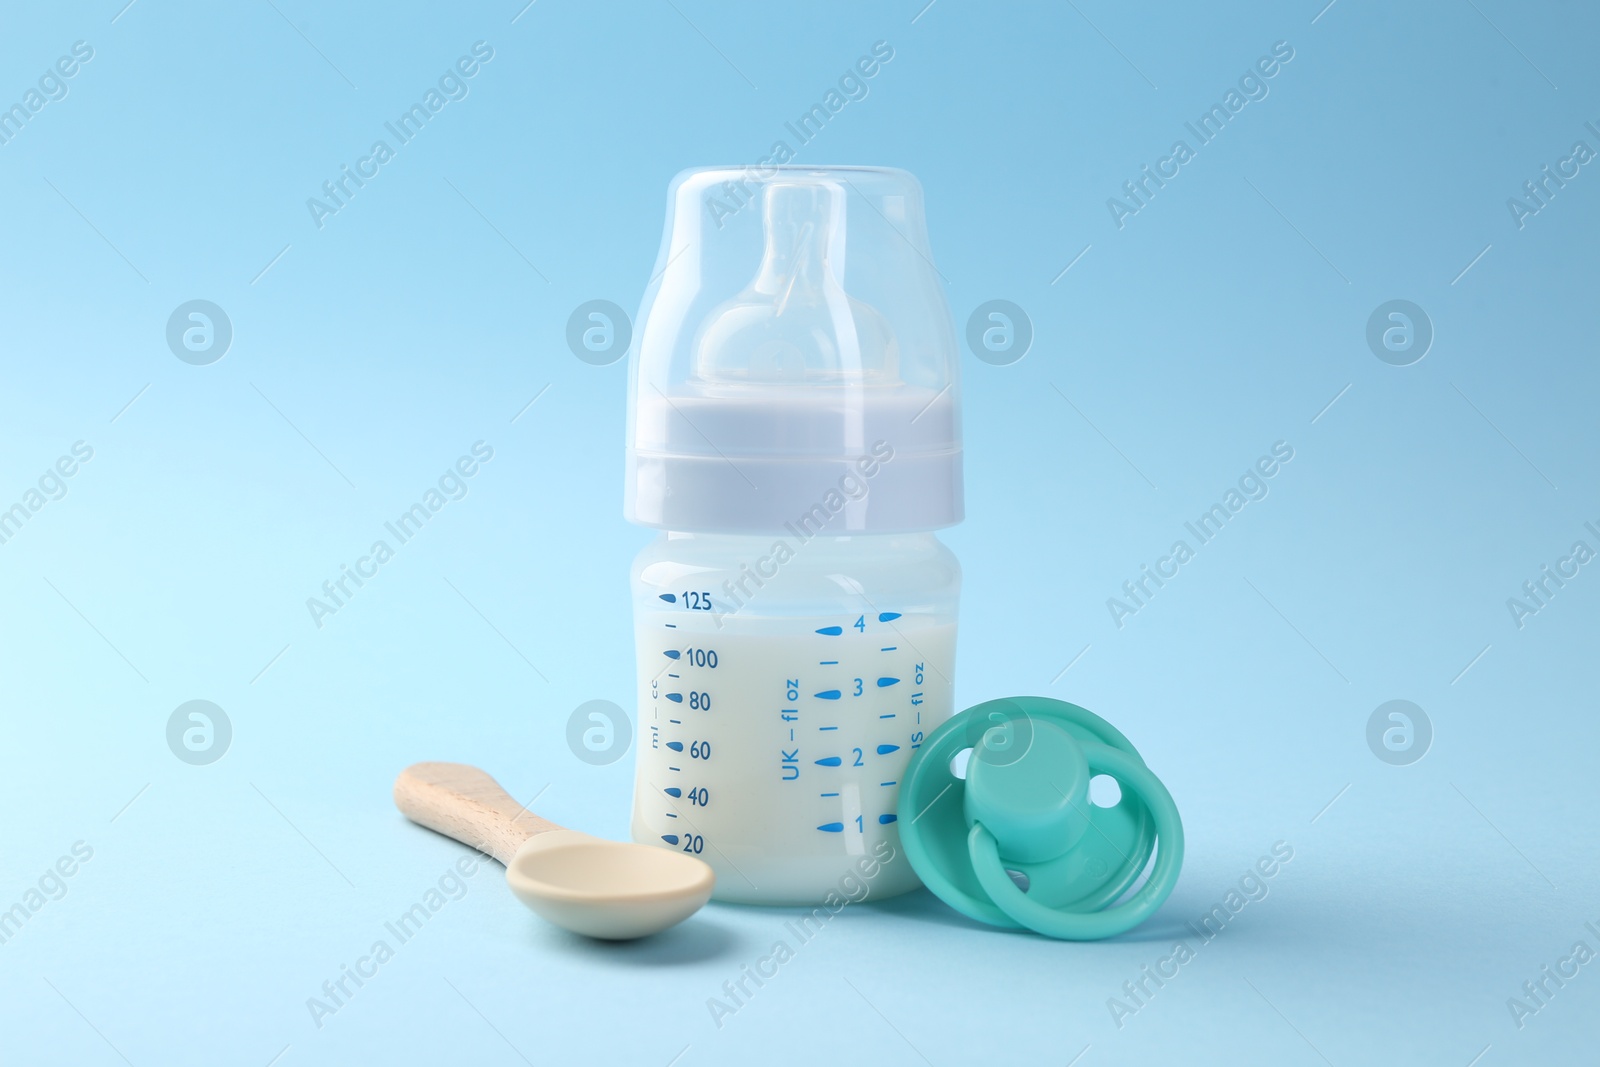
884, 683
884, 750
671, 839
676, 698
830, 631
670, 598
673, 791
673, 653
831, 761
676, 746
888, 616
885, 820
827, 694
832, 828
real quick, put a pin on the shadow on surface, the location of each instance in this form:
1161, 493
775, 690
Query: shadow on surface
697, 939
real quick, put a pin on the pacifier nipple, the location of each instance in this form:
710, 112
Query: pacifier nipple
1034, 801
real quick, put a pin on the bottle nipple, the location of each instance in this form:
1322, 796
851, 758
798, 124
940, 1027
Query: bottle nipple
794, 322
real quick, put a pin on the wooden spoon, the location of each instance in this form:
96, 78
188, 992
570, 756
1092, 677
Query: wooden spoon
603, 889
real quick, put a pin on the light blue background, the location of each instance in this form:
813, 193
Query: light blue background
1224, 316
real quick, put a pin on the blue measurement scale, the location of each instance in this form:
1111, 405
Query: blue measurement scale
764, 736
899, 722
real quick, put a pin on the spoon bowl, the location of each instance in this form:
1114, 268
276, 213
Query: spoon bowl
607, 889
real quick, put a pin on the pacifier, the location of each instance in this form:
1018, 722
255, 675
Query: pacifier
1017, 842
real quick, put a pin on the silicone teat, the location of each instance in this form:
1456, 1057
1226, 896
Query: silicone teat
794, 322
799, 224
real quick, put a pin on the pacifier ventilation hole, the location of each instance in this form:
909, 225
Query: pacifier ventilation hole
1019, 878
958, 763
1104, 792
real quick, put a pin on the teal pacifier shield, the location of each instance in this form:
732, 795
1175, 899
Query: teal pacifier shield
1016, 743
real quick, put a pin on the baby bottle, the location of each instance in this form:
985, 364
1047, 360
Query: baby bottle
794, 433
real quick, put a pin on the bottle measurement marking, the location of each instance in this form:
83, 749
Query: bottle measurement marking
878, 684
695, 698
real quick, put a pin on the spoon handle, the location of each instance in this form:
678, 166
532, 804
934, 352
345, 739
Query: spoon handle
466, 804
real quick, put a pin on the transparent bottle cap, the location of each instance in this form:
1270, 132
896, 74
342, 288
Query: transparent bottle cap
795, 359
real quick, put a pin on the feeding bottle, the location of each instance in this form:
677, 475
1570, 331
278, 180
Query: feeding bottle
794, 433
